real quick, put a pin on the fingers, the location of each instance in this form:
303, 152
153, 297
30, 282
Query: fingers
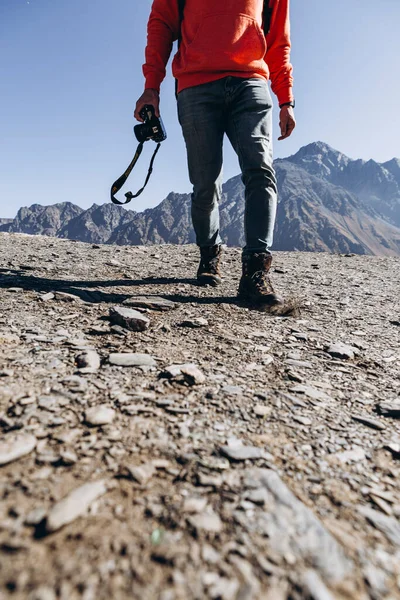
287, 122
287, 130
139, 106
149, 96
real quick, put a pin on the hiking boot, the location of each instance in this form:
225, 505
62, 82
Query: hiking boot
208, 272
255, 285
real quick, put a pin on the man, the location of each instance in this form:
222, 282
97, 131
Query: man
222, 67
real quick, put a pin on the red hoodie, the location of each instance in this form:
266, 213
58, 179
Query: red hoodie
219, 38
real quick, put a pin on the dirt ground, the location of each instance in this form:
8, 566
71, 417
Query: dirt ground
190, 447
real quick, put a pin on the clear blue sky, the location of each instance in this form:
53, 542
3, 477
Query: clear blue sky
70, 75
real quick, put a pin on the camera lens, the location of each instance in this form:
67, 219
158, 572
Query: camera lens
143, 132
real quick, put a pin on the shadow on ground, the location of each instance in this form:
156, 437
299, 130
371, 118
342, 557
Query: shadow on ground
89, 291
82, 289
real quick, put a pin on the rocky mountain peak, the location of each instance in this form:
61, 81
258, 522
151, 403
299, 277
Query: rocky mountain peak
320, 159
44, 220
96, 224
393, 166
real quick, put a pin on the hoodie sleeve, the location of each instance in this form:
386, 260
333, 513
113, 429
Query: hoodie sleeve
162, 30
278, 52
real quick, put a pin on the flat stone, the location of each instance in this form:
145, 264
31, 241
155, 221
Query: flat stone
47, 297
47, 456
394, 449
293, 399
209, 480
75, 504
35, 516
65, 297
232, 390
389, 409
50, 403
355, 455
207, 521
129, 318
68, 457
141, 473
194, 323
387, 496
187, 372
262, 411
302, 420
80, 343
381, 504
389, 526
365, 420
15, 446
300, 364
293, 530
131, 359
314, 587
88, 362
238, 453
99, 415
214, 463
177, 410
68, 436
293, 376
194, 505
310, 392
118, 330
135, 409
150, 302
343, 351
303, 337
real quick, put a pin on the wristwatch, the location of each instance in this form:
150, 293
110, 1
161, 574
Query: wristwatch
292, 104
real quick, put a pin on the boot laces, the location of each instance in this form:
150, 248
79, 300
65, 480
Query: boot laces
262, 281
212, 264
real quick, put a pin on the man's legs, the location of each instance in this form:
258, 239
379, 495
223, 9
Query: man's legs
249, 128
202, 117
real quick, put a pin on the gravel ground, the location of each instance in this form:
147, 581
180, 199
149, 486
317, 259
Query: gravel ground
161, 441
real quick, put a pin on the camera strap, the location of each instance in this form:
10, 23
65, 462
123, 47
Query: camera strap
117, 185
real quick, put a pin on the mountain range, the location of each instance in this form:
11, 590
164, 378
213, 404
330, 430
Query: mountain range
327, 202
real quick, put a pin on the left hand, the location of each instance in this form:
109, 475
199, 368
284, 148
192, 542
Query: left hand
287, 122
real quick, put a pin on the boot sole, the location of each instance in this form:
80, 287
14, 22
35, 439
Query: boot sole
271, 300
209, 280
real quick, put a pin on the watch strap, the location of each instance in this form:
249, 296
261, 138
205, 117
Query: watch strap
292, 104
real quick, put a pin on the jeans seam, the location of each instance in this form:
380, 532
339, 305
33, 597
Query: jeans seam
245, 214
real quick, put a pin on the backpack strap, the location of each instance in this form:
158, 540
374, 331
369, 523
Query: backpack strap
267, 14
181, 7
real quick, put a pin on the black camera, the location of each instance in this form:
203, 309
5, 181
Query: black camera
152, 128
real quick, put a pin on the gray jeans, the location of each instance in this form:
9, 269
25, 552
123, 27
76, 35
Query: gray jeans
241, 108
